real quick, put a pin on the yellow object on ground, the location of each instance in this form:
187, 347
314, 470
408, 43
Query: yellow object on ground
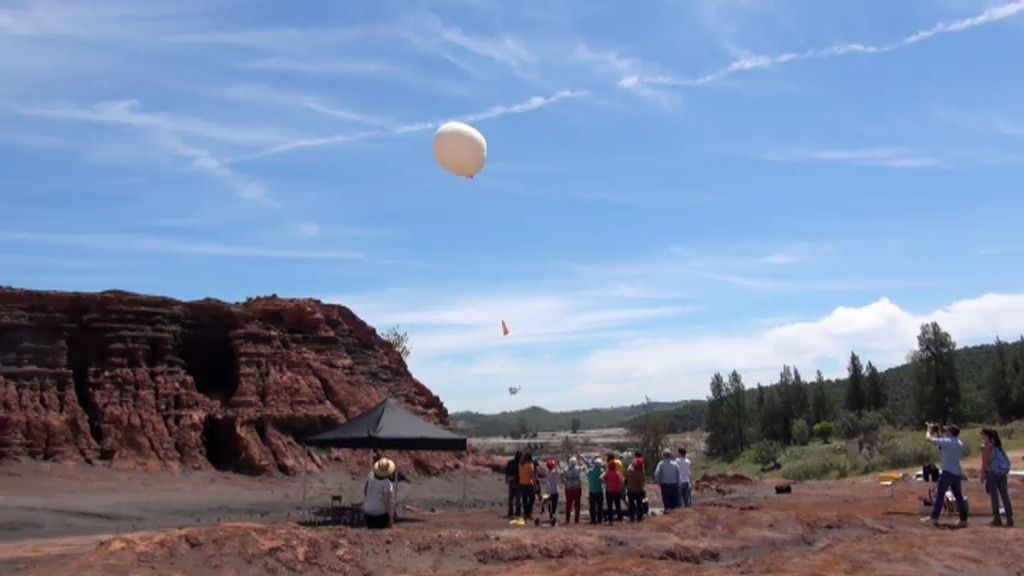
890, 477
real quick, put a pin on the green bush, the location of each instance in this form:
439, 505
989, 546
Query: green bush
825, 431
851, 425
902, 452
816, 467
800, 433
766, 453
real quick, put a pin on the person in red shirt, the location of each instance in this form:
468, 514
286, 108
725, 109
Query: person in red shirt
613, 481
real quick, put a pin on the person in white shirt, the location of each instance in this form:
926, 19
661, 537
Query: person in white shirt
666, 474
685, 468
379, 494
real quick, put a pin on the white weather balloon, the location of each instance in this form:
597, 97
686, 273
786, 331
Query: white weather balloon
460, 149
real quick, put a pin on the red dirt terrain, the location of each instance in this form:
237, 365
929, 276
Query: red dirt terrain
839, 527
142, 382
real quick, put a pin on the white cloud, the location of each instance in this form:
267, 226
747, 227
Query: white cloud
624, 369
629, 71
454, 327
160, 245
308, 229
780, 258
317, 66
429, 33
529, 105
166, 131
885, 157
270, 96
881, 332
129, 113
755, 62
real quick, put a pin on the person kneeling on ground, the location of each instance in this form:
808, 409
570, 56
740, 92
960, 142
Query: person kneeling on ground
952, 449
667, 476
378, 495
636, 478
995, 467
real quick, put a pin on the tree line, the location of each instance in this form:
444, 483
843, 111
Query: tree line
929, 388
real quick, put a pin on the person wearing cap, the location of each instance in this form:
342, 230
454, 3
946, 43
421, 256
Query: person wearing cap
553, 478
526, 483
952, 449
573, 489
596, 491
378, 495
613, 481
636, 478
666, 474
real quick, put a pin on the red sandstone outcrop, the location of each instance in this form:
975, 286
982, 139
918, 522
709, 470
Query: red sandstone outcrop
154, 382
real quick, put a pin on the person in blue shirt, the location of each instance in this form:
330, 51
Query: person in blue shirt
952, 449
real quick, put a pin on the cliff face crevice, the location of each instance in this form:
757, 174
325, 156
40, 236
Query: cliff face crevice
155, 383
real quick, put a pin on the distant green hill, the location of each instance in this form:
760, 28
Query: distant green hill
972, 363
538, 419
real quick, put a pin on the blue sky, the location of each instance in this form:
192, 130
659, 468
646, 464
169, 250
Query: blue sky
670, 191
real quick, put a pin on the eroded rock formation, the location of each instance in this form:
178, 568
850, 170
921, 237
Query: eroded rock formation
154, 382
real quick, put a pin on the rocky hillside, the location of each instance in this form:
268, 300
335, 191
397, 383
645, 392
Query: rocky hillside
152, 382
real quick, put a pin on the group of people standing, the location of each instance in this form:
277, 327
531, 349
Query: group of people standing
673, 476
995, 468
609, 483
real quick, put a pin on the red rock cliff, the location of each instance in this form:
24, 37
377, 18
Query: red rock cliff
154, 382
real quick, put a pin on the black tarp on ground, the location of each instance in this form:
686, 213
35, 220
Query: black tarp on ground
388, 426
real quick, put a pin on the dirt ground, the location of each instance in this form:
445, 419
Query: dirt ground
66, 521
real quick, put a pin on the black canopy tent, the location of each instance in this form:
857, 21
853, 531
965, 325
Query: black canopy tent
388, 426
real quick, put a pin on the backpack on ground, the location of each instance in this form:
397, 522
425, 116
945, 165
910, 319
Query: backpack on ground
1000, 462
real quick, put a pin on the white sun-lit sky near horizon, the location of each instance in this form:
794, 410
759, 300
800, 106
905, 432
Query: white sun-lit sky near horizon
672, 188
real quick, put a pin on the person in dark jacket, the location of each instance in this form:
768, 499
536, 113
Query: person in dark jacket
636, 480
515, 501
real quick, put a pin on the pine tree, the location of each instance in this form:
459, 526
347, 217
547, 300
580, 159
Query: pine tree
856, 399
715, 421
798, 396
876, 397
937, 384
738, 408
821, 404
1016, 378
768, 418
1000, 383
784, 406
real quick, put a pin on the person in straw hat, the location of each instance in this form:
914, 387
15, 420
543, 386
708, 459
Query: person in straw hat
378, 496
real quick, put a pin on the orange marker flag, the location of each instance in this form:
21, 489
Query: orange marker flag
504, 328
